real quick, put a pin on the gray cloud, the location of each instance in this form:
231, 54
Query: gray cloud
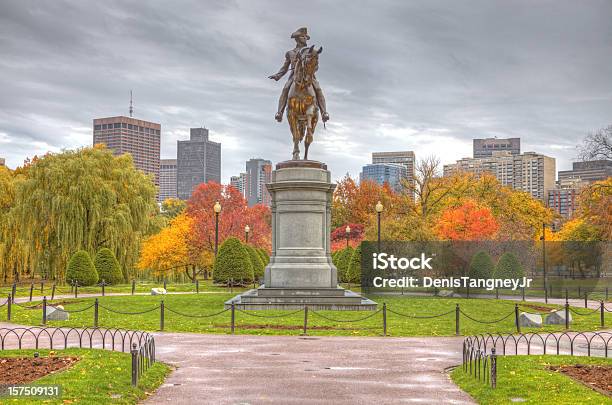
422, 75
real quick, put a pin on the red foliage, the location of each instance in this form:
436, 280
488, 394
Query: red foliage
468, 221
235, 214
338, 236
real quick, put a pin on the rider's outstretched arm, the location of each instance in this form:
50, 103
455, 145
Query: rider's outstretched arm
284, 69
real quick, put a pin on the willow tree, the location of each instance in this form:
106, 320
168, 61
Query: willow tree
83, 199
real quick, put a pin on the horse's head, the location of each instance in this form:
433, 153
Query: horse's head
311, 60
308, 64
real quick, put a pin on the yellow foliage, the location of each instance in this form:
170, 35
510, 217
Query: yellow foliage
168, 249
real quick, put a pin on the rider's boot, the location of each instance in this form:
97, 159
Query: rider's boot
322, 104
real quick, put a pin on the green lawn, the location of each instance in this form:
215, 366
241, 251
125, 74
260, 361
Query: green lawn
100, 377
23, 289
285, 323
528, 378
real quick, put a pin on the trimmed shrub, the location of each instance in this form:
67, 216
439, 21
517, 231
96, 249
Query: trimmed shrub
353, 271
108, 267
264, 256
256, 262
342, 261
81, 269
481, 266
508, 266
233, 263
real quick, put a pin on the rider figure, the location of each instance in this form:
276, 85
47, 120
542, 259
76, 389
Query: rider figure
300, 36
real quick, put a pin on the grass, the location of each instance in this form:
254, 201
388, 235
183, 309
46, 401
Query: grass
142, 287
100, 377
268, 322
528, 377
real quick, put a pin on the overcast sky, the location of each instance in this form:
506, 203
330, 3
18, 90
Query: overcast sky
423, 75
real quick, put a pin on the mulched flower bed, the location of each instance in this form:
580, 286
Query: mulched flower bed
22, 370
598, 378
536, 307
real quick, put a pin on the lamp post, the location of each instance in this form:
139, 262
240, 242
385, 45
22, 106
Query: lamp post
544, 258
217, 209
347, 233
247, 229
379, 210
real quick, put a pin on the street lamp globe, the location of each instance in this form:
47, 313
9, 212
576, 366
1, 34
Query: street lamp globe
247, 229
379, 207
347, 230
217, 207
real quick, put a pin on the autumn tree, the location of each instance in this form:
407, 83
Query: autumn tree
172, 207
338, 236
467, 222
82, 199
595, 207
235, 214
168, 251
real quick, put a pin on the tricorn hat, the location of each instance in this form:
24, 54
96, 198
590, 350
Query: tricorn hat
300, 31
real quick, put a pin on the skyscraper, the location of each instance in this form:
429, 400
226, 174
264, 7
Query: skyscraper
167, 180
530, 172
593, 170
405, 158
486, 146
2, 162
381, 173
258, 173
198, 160
139, 138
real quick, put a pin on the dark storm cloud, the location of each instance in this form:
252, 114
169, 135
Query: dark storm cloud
427, 76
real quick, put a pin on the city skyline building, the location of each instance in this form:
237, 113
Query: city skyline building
2, 162
590, 171
531, 172
139, 138
167, 180
198, 160
389, 173
563, 199
258, 173
406, 158
485, 147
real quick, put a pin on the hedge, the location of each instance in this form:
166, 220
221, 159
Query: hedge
256, 262
481, 266
509, 267
353, 271
81, 269
233, 263
342, 260
108, 267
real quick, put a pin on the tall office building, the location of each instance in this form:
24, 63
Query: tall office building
530, 172
167, 180
139, 138
258, 173
2, 162
590, 171
484, 147
240, 183
564, 197
198, 160
381, 173
405, 158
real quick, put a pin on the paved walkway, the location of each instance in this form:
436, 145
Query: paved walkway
241, 369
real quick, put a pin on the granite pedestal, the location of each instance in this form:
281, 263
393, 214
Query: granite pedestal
301, 271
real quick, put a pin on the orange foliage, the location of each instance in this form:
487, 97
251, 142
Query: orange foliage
233, 217
467, 222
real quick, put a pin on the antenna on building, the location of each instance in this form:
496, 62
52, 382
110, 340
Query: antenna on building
131, 104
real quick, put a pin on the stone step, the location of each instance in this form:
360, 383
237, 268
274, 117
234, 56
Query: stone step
301, 300
300, 292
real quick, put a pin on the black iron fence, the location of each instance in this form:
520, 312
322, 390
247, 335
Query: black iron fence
141, 345
385, 312
480, 352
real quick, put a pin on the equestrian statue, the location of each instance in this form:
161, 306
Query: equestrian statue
301, 95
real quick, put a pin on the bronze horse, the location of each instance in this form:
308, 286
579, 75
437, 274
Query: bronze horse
302, 111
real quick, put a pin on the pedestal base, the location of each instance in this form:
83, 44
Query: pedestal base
335, 299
